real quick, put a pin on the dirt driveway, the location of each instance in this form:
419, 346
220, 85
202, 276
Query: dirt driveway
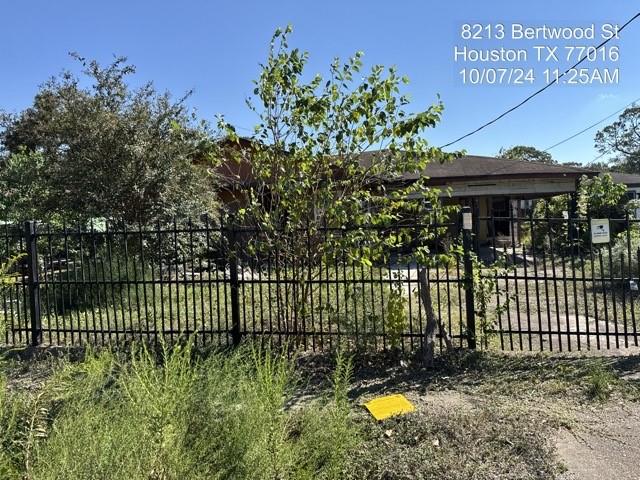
604, 444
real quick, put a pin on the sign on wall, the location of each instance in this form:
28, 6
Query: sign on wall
600, 230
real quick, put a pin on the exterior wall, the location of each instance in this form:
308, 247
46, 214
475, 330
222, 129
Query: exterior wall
523, 188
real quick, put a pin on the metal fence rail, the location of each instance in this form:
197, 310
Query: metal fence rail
107, 283
552, 288
565, 293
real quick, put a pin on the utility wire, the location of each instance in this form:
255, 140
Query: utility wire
598, 157
590, 126
538, 92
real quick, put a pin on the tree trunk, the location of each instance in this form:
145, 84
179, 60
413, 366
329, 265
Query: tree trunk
432, 322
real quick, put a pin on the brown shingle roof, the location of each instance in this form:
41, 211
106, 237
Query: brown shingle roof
479, 167
473, 166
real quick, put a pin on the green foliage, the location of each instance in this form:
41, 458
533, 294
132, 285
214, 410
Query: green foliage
599, 383
486, 290
332, 429
311, 160
554, 233
622, 257
553, 207
622, 140
528, 154
105, 150
7, 279
13, 421
396, 315
312, 165
601, 197
176, 416
23, 182
597, 197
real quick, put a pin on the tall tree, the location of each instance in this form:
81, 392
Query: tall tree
529, 154
332, 152
102, 150
622, 140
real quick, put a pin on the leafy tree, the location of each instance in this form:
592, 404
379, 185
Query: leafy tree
601, 197
622, 139
597, 197
529, 154
24, 186
313, 165
600, 166
102, 150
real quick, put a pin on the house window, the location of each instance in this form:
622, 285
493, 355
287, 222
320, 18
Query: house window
500, 210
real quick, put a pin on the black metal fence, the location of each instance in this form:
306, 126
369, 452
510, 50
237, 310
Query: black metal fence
105, 283
563, 292
539, 284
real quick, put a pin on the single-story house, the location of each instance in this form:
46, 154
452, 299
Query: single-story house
498, 187
492, 187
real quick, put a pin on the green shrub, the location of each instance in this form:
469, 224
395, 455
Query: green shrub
7, 279
396, 319
622, 258
176, 416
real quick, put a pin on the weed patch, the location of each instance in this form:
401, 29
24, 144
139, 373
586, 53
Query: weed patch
175, 416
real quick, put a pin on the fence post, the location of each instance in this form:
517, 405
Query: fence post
235, 297
467, 245
33, 282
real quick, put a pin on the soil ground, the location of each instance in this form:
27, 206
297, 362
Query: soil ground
604, 443
589, 437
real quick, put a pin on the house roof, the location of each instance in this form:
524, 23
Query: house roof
473, 167
629, 179
477, 166
466, 168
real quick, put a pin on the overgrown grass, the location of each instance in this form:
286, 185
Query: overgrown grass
371, 309
250, 413
452, 444
175, 416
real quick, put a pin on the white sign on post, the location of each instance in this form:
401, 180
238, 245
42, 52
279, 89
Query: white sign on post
466, 221
600, 230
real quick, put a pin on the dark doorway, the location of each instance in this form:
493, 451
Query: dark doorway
500, 211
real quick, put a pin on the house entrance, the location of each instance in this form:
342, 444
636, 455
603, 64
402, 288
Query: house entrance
500, 211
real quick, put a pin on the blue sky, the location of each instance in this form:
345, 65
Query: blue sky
215, 48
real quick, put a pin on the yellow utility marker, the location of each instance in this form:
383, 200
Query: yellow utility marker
388, 406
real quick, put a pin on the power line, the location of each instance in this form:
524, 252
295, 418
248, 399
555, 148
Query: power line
538, 92
598, 157
590, 126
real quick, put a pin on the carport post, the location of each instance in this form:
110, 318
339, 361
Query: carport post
467, 246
